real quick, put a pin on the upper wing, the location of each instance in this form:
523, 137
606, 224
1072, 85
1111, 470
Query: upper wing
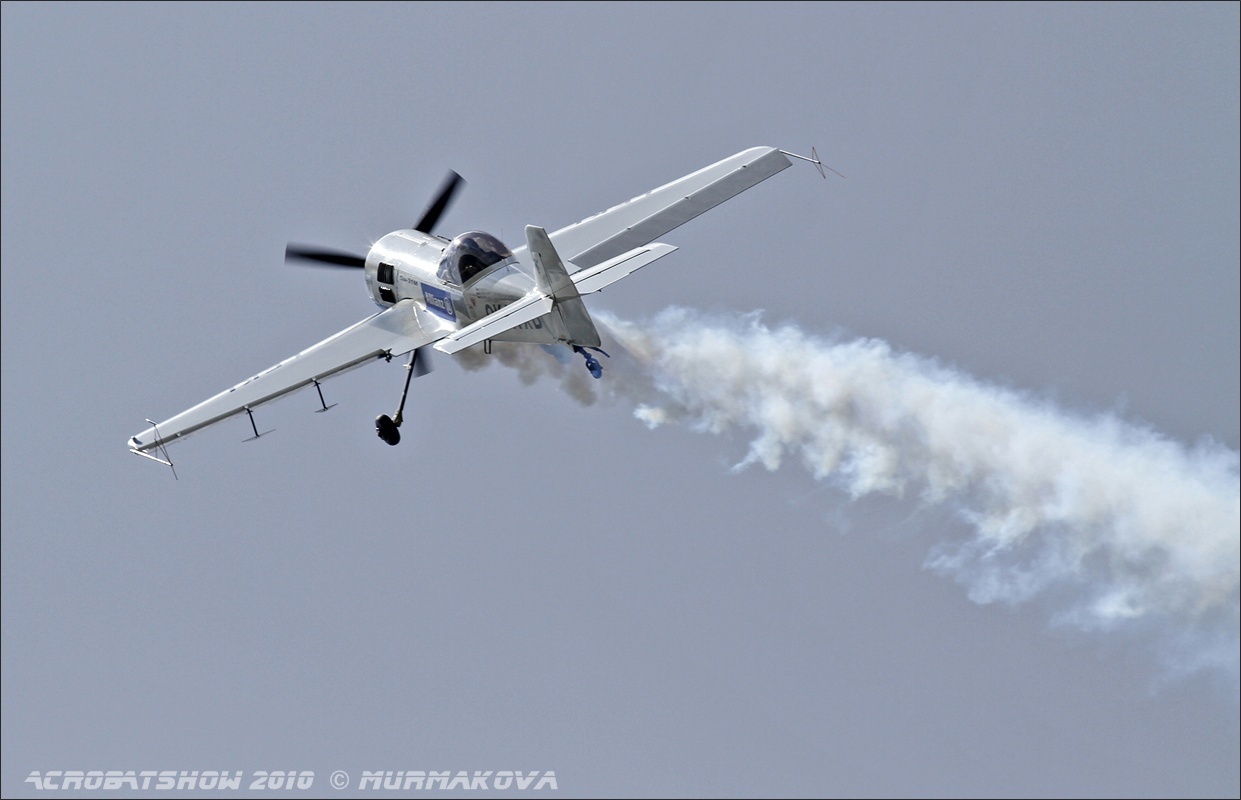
647, 217
393, 331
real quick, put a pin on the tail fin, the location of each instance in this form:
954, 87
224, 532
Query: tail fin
553, 280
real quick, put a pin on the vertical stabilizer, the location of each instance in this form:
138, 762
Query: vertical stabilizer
553, 279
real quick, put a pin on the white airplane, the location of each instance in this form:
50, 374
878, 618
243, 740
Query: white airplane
450, 294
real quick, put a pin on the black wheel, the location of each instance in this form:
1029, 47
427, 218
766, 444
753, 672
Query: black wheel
386, 429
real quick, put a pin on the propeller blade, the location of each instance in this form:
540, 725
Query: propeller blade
422, 361
440, 204
318, 255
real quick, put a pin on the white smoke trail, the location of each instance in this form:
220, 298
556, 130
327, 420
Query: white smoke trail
1121, 527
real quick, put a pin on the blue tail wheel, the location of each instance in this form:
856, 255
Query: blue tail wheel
592, 363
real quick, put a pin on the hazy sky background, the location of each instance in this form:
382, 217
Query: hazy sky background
1042, 196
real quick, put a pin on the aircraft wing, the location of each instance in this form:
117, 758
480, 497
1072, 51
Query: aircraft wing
393, 331
645, 218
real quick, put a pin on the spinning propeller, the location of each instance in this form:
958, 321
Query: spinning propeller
425, 224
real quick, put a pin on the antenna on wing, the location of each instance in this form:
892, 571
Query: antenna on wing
813, 158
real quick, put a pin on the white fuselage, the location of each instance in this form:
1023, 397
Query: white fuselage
432, 271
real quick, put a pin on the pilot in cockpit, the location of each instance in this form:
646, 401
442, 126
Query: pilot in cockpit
471, 253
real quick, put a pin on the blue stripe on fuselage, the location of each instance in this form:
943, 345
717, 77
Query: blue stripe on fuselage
439, 302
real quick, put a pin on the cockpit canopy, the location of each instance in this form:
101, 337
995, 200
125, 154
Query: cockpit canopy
469, 254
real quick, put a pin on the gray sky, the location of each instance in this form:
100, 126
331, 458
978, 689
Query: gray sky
1044, 197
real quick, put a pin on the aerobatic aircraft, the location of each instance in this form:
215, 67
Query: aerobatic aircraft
450, 294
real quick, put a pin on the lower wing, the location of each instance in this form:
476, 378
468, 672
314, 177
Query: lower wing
391, 332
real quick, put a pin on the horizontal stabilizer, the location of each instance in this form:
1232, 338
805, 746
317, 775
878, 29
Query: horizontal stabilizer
516, 313
611, 271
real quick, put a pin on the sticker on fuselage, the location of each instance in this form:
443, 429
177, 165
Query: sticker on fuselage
439, 302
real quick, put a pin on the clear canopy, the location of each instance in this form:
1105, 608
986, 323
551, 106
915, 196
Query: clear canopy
471, 253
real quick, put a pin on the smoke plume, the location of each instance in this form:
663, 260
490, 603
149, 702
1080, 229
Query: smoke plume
1117, 527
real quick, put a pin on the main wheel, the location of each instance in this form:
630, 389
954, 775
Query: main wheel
386, 429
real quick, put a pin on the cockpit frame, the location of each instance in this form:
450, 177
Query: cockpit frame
470, 255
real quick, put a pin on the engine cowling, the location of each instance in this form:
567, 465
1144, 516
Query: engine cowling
400, 263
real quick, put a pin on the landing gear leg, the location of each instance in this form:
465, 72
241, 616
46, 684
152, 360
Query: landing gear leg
386, 427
